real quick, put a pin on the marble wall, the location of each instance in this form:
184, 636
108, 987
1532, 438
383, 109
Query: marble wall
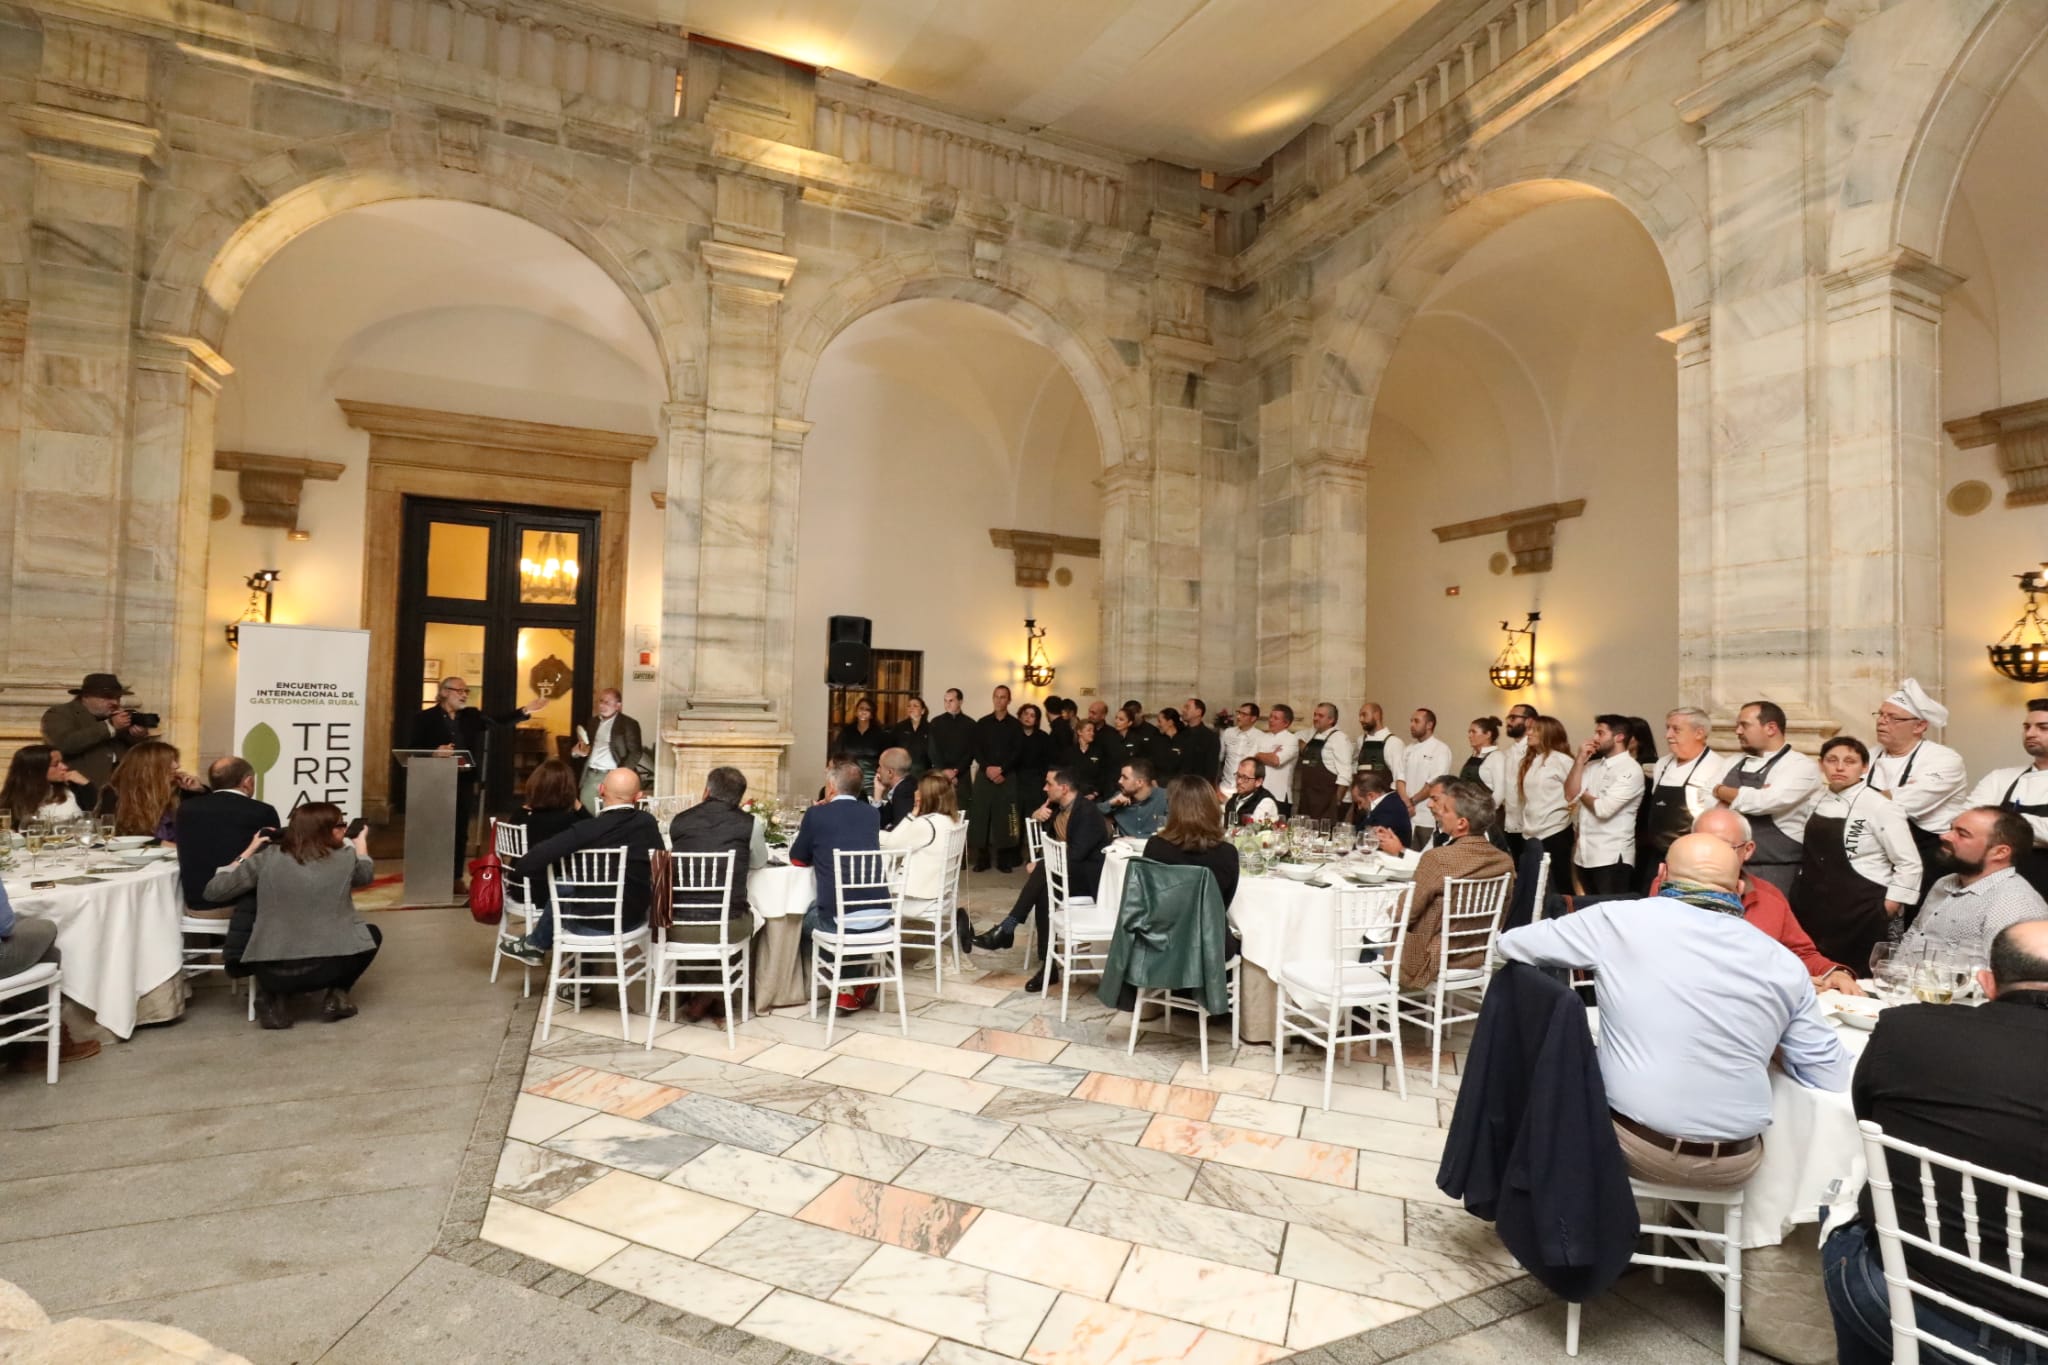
1792, 161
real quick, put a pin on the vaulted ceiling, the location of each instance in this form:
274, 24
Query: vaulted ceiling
1218, 84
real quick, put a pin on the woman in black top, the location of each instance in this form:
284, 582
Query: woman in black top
1193, 836
913, 736
1036, 760
862, 741
1085, 758
1166, 756
551, 806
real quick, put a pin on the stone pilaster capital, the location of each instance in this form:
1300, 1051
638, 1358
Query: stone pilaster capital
1126, 479
1769, 66
1692, 339
1329, 468
748, 267
170, 354
109, 147
1907, 277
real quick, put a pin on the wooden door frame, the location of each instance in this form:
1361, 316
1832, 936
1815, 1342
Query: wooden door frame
461, 457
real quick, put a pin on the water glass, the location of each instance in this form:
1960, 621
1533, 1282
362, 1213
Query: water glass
1891, 973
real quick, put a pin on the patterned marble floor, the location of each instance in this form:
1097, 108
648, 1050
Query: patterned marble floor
996, 1185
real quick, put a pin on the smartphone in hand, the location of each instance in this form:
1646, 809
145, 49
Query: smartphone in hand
355, 827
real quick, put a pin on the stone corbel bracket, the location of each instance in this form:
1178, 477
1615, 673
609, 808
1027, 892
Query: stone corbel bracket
2021, 434
1532, 532
271, 485
1034, 551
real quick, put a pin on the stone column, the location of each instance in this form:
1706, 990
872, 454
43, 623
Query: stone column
1692, 341
1128, 625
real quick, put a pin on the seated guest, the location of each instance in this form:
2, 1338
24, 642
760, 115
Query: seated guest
307, 936
29, 941
1464, 811
1980, 893
215, 825
1251, 803
1945, 1078
1764, 905
841, 820
143, 794
934, 809
716, 824
1693, 1004
1076, 822
1375, 806
1859, 868
553, 803
42, 786
895, 791
619, 823
1139, 807
1193, 836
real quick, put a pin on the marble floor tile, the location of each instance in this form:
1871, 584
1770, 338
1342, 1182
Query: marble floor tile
1063, 1258
1151, 1096
1321, 1315
959, 1353
913, 1122
1043, 1077
1109, 1163
547, 1238
1300, 1201
1450, 1231
708, 1040
540, 1069
629, 1144
916, 1028
811, 1260
1227, 1298
1039, 1024
1003, 980
993, 989
1374, 1134
740, 1125
538, 1177
605, 1054
835, 1333
947, 1059
855, 1151
890, 1213
602, 1021
789, 1027
1267, 1116
858, 1073
727, 1081
1405, 1275
754, 1178
1402, 1177
1145, 1065
535, 1119
1230, 1080
604, 1090
1013, 1018
1307, 1091
701, 1289
948, 1092
1255, 1151
1023, 1046
1107, 1122
994, 1184
1078, 1330
789, 1059
959, 1302
1239, 1239
649, 1212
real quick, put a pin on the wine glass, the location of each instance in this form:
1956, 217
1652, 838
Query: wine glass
34, 837
1890, 973
1933, 982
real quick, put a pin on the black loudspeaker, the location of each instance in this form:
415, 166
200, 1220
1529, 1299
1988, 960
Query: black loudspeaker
847, 660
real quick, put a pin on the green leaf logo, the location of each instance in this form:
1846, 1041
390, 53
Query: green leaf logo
261, 748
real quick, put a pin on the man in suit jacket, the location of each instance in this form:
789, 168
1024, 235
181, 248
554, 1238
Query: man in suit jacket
1081, 826
620, 823
1463, 811
614, 743
841, 821
1375, 806
93, 730
452, 723
893, 787
213, 828
716, 824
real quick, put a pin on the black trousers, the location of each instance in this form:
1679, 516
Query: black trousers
318, 973
1610, 880
1034, 900
1557, 851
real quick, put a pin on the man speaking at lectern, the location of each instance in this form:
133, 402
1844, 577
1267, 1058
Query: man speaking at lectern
451, 723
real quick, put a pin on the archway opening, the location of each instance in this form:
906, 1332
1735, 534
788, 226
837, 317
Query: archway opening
935, 422
1531, 374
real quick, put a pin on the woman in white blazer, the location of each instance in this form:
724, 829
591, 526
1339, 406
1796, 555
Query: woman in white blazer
935, 811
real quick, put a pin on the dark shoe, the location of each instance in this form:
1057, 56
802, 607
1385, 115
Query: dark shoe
1007, 862
995, 940
273, 1011
1048, 975
337, 1006
980, 861
702, 1006
522, 951
569, 993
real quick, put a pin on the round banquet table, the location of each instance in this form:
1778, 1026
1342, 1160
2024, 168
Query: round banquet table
779, 896
119, 934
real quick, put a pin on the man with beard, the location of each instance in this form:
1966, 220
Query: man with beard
1776, 787
1607, 784
952, 740
1981, 893
1424, 760
1520, 716
2024, 792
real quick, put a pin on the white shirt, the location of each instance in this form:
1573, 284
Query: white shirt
1337, 755
1876, 838
2029, 787
1493, 771
1937, 791
1607, 827
601, 760
1239, 745
1511, 764
1285, 746
1536, 805
61, 807
1699, 775
926, 872
1422, 763
1788, 795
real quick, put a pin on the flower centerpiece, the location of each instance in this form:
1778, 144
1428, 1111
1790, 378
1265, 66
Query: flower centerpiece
772, 816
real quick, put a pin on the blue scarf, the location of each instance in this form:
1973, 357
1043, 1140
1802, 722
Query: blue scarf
1705, 897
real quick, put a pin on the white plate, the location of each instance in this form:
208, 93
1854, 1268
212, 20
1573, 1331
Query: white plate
121, 841
1299, 872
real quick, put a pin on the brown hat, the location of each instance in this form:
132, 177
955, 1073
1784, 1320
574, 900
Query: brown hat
101, 685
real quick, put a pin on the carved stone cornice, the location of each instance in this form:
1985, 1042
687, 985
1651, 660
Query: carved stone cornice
272, 485
1532, 532
748, 267
1784, 58
1906, 278
2020, 432
1034, 551
591, 454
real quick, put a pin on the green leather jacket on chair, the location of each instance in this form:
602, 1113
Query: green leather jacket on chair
1170, 935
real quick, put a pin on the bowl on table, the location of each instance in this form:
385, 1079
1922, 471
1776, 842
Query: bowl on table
137, 857
1296, 872
125, 841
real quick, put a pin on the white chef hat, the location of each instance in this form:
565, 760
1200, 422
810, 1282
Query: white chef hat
1912, 698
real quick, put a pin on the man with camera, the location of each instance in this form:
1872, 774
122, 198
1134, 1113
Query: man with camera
96, 728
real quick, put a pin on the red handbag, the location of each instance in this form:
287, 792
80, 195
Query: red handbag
487, 884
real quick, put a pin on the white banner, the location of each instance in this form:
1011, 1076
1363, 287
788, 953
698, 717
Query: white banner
300, 698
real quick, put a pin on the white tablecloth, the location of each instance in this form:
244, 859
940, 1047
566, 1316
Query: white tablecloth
119, 936
776, 892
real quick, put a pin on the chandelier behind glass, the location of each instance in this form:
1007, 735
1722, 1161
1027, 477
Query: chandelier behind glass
550, 575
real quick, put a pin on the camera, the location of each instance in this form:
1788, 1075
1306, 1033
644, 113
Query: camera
148, 720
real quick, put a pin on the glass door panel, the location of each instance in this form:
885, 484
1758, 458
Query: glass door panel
547, 668
458, 560
452, 649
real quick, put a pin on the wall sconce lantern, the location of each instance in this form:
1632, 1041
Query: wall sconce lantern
1515, 669
2022, 652
262, 584
1038, 669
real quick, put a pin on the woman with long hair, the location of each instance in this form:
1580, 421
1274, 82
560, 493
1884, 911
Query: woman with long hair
552, 803
1037, 757
144, 791
307, 936
1536, 801
42, 786
1193, 833
913, 736
1642, 743
862, 740
934, 811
